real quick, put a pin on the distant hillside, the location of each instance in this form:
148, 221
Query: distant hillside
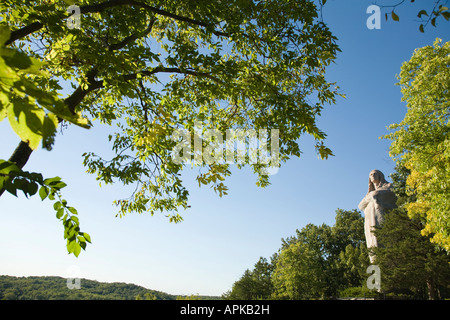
55, 288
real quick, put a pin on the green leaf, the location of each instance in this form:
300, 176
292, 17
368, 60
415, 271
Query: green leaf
4, 102
72, 210
421, 28
8, 167
422, 12
76, 249
55, 183
21, 61
49, 130
10, 188
26, 120
445, 14
21, 184
60, 213
8, 170
5, 34
395, 16
43, 192
34, 176
59, 185
71, 234
57, 205
75, 220
83, 244
32, 188
15, 59
53, 180
61, 110
71, 245
86, 236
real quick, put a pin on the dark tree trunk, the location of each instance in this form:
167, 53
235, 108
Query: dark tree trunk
20, 157
431, 289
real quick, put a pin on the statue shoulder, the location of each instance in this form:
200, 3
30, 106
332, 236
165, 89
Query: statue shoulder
386, 186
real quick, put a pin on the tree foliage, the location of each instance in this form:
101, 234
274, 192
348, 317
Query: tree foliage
317, 263
254, 284
33, 114
321, 260
152, 67
421, 142
13, 179
55, 288
410, 264
298, 274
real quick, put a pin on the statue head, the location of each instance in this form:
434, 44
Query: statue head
376, 180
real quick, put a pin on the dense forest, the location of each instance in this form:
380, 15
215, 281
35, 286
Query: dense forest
331, 262
55, 288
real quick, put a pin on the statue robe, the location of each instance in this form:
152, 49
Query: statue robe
375, 204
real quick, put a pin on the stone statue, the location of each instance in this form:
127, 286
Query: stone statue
378, 200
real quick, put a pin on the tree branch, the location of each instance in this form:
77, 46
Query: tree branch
20, 157
159, 69
95, 8
393, 6
112, 3
23, 32
22, 153
132, 37
178, 17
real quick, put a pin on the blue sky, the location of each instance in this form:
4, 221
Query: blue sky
221, 237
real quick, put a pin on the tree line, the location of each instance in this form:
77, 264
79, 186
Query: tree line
55, 288
330, 262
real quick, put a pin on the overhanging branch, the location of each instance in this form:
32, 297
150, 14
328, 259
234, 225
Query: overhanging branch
95, 8
23, 32
22, 153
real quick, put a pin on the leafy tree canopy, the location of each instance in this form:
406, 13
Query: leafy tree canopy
322, 260
317, 263
410, 264
254, 284
151, 67
421, 142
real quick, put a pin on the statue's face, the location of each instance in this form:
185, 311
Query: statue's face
374, 177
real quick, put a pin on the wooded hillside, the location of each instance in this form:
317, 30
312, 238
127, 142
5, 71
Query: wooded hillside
55, 288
